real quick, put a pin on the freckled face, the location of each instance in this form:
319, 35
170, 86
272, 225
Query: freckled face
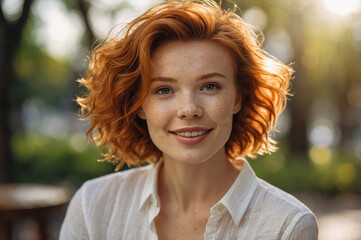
190, 106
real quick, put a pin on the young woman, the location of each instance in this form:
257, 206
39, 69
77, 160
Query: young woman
188, 89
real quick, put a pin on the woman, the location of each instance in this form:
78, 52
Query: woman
188, 89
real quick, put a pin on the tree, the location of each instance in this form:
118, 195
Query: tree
300, 103
11, 32
10, 35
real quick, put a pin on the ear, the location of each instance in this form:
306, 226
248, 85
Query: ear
141, 114
237, 105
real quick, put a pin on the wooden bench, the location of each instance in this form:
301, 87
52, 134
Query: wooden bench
34, 201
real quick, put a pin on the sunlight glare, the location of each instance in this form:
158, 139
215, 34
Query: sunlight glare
61, 30
342, 7
12, 9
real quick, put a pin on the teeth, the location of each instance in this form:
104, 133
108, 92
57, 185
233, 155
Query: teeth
191, 134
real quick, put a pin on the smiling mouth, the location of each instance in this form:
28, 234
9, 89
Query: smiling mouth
191, 134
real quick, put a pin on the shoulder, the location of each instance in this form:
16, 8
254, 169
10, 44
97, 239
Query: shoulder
285, 211
106, 189
97, 199
304, 228
275, 196
112, 184
119, 178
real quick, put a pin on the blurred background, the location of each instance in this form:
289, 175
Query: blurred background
43, 50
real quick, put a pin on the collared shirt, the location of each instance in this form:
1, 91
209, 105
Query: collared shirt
124, 205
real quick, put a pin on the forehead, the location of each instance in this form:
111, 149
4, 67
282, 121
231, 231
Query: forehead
191, 57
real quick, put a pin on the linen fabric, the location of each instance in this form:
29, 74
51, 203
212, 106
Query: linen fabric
123, 205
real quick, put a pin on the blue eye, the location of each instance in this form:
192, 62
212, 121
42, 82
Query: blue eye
164, 91
210, 87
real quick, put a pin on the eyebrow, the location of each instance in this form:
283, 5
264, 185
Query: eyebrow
206, 76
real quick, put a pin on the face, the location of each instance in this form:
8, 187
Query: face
192, 99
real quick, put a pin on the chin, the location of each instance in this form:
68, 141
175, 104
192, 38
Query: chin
194, 157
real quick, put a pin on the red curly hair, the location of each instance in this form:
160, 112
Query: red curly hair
118, 80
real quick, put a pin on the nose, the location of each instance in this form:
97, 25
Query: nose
189, 107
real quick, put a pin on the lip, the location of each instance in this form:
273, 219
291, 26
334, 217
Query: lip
190, 129
190, 140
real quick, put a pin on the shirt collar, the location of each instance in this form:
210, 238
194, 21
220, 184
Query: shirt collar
236, 200
238, 197
150, 185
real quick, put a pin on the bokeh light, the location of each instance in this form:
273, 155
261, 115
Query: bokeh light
320, 154
345, 174
279, 44
323, 124
78, 141
56, 19
322, 134
256, 17
342, 7
105, 14
12, 9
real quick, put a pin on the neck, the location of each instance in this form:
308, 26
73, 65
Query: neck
189, 186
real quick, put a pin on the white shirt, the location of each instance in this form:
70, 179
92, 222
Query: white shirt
123, 205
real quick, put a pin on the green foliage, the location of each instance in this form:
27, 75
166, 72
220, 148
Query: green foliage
40, 76
297, 174
44, 159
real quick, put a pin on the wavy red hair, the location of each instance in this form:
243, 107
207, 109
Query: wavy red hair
118, 80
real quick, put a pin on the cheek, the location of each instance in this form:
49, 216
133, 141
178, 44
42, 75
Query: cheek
153, 111
156, 129
157, 119
225, 118
222, 111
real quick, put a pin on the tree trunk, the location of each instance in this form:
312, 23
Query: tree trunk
10, 34
299, 103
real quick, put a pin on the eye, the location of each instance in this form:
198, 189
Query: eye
210, 87
164, 91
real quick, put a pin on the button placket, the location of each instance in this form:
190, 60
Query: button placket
212, 225
153, 212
